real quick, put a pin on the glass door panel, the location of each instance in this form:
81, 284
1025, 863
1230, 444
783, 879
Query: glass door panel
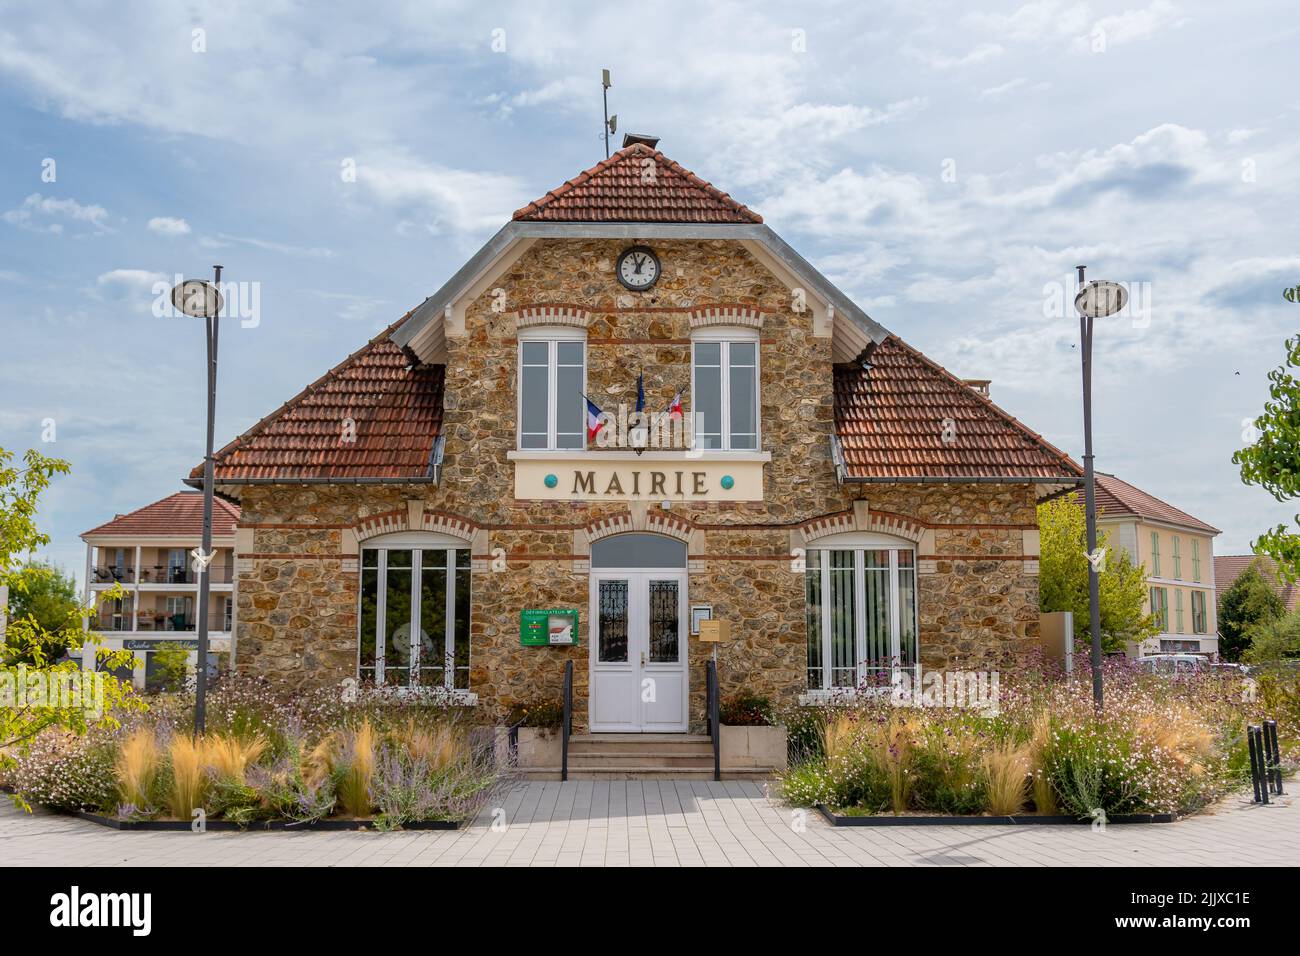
665, 626
612, 644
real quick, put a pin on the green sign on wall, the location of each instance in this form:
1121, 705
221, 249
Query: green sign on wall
550, 627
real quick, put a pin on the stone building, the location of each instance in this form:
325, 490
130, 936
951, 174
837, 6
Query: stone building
848, 506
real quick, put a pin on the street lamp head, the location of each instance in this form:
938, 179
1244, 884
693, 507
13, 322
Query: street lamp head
198, 298
1099, 299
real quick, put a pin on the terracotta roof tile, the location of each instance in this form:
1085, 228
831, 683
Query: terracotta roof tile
396, 409
1229, 567
178, 514
625, 188
1117, 497
890, 422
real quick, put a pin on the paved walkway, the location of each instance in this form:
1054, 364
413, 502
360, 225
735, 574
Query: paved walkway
671, 823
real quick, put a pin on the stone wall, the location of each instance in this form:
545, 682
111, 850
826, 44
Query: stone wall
298, 586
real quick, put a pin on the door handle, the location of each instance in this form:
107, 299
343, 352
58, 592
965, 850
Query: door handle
643, 660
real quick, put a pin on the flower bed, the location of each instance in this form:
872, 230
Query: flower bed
270, 758
1161, 747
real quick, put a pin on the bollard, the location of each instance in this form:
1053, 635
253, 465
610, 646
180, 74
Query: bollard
1274, 752
1255, 744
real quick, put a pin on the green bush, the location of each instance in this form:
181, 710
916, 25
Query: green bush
745, 709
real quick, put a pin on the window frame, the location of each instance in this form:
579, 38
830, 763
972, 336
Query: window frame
1178, 559
418, 544
1178, 611
1155, 554
1196, 560
551, 336
1161, 607
1199, 606
858, 545
725, 337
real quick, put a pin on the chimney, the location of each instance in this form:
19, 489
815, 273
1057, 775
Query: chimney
645, 139
980, 385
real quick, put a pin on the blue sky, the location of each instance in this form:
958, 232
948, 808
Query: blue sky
947, 166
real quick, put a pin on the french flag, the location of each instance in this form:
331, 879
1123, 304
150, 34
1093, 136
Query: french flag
675, 407
594, 423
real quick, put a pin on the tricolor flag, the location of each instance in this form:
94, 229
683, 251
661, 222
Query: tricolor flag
594, 423
675, 406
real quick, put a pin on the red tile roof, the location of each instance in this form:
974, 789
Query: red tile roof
395, 406
1116, 497
890, 421
1229, 567
178, 514
627, 188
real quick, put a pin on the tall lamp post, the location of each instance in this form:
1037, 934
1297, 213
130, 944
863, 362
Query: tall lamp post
1095, 300
201, 299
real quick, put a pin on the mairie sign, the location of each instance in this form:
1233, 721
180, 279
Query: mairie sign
663, 477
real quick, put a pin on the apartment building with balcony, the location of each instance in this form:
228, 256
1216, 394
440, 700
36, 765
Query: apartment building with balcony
147, 552
1177, 552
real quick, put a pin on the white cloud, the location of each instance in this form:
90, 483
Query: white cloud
47, 214
223, 241
1130, 25
167, 226
133, 280
1036, 21
945, 61
442, 198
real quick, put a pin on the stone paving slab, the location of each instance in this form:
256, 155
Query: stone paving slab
671, 823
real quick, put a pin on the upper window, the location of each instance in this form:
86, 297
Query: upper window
1178, 560
552, 380
415, 606
860, 612
725, 390
1155, 554
1196, 560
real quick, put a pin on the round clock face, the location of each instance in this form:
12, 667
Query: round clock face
638, 268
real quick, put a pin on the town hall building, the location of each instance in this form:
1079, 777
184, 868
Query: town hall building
634, 411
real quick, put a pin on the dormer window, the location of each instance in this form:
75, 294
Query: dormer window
724, 393
552, 380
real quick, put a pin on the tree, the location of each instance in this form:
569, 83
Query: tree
1063, 577
36, 694
1249, 602
47, 595
1273, 461
1274, 639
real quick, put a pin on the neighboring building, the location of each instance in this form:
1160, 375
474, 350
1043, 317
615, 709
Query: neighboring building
851, 508
1229, 567
1177, 551
148, 553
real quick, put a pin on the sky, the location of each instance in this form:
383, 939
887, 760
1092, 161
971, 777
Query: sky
946, 165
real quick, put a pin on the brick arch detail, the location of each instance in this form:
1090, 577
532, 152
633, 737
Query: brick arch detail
537, 315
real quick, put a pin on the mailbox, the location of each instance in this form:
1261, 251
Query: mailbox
715, 630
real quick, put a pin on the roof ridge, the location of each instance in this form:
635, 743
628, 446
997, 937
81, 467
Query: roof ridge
998, 409
622, 155
267, 420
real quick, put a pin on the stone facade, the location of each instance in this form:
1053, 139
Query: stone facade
298, 582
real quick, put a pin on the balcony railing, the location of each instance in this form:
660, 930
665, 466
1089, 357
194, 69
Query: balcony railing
161, 574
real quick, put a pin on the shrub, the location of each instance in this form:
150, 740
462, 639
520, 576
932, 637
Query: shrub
1008, 769
537, 712
946, 770
745, 709
65, 772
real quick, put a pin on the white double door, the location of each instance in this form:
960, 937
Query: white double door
638, 651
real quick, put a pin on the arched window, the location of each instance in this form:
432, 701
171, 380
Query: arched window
414, 615
861, 610
633, 550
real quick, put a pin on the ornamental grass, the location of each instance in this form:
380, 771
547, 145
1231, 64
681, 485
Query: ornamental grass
1161, 744
271, 754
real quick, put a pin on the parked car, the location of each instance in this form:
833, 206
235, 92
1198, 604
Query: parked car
1225, 667
1173, 663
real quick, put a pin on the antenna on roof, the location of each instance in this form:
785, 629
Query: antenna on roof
611, 122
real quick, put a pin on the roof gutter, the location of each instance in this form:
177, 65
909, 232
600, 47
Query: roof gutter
963, 480
421, 480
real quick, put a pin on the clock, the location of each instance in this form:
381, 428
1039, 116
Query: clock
638, 268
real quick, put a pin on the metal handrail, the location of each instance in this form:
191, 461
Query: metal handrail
566, 728
714, 716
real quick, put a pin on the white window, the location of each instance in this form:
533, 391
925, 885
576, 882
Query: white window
860, 610
724, 389
552, 380
414, 615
